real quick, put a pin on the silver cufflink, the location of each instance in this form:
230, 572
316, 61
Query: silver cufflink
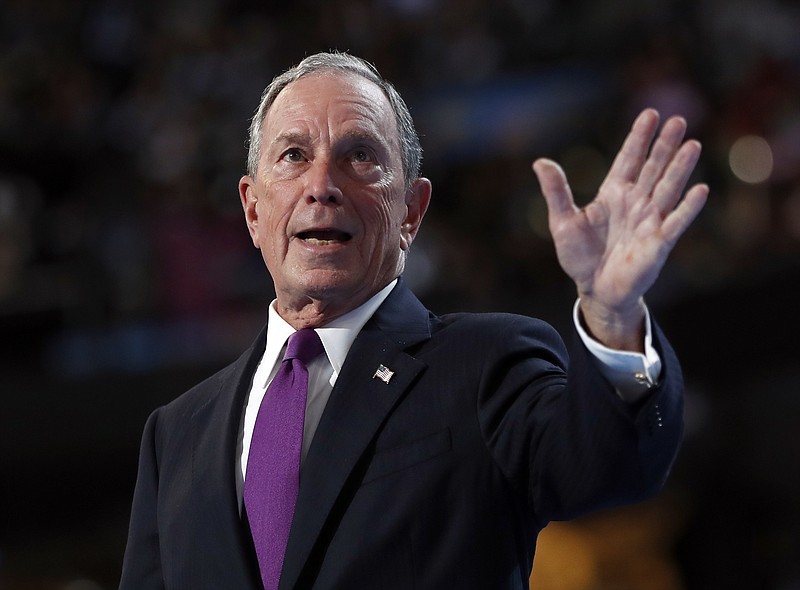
643, 379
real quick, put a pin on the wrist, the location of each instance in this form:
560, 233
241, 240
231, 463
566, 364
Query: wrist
617, 327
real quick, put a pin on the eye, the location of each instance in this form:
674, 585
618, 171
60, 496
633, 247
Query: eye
361, 155
293, 155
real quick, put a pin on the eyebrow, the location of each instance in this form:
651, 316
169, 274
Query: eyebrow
301, 138
361, 135
290, 137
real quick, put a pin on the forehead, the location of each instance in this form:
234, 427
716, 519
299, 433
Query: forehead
334, 100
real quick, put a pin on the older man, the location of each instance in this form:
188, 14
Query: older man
392, 448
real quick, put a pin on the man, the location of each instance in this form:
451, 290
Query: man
434, 449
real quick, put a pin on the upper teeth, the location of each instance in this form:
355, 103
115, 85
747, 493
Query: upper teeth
319, 241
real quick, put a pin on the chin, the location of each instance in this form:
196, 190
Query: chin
331, 284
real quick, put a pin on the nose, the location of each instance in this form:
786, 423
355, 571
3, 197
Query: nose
321, 185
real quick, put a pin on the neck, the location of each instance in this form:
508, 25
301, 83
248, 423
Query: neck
311, 312
314, 314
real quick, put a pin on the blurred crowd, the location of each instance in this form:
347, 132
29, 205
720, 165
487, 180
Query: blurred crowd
123, 135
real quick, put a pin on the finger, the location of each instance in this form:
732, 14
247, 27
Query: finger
632, 154
555, 188
685, 213
661, 154
669, 189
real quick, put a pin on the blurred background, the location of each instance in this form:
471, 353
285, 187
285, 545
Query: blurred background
126, 272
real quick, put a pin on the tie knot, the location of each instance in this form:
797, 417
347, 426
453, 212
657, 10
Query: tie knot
304, 345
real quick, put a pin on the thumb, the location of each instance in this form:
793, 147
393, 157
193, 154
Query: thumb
555, 188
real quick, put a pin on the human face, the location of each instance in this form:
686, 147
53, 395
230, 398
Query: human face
328, 207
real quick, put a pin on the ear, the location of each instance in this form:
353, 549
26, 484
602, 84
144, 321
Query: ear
249, 199
418, 196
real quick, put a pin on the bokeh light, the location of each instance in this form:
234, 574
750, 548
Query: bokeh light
751, 159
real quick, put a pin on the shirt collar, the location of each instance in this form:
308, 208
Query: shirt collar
337, 336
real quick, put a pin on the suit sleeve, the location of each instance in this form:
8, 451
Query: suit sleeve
561, 434
141, 568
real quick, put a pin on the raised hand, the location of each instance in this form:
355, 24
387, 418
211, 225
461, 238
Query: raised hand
615, 247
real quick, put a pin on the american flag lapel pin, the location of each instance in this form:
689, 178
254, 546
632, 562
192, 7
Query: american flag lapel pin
383, 373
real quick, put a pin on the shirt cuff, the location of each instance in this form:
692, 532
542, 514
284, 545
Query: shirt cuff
632, 374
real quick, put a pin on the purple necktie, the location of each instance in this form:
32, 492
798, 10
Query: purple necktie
273, 465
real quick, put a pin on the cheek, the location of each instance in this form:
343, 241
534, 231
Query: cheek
389, 238
275, 214
270, 236
384, 219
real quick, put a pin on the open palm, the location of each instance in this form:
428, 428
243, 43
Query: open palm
615, 247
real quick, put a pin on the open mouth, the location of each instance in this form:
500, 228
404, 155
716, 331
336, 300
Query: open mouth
324, 236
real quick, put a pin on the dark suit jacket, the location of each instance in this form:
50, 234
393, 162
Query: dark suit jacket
440, 478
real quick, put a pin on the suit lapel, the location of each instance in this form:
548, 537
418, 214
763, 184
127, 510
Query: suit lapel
215, 430
358, 406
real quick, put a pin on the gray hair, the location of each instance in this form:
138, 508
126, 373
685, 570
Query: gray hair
410, 149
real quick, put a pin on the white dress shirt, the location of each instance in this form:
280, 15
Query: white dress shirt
632, 374
337, 337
